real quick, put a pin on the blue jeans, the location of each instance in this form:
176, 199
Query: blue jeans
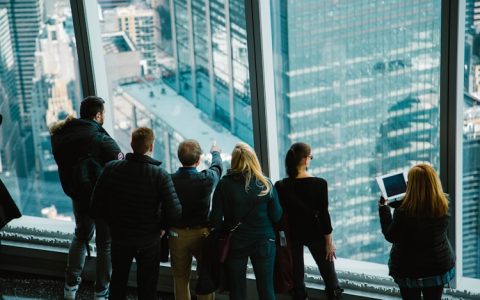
262, 256
84, 228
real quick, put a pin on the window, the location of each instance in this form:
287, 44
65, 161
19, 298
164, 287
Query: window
177, 70
359, 82
39, 85
470, 204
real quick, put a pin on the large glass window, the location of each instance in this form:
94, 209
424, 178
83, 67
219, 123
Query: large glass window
470, 204
181, 68
39, 85
359, 82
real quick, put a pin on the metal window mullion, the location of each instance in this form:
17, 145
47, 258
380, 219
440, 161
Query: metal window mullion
230, 67
451, 117
174, 45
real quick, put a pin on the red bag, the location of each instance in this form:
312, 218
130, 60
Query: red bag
283, 269
224, 245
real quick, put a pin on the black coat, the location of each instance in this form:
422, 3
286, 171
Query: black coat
194, 190
137, 198
74, 138
8, 208
420, 245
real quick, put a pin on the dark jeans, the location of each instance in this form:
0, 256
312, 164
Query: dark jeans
432, 293
326, 268
148, 265
262, 256
84, 228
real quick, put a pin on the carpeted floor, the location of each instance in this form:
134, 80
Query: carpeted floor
27, 286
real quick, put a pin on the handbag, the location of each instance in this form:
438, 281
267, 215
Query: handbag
225, 237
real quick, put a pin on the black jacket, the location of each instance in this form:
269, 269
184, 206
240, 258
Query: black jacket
420, 245
194, 190
137, 198
74, 138
305, 201
8, 208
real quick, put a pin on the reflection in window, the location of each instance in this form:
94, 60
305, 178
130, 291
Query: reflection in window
39, 85
471, 145
181, 70
359, 82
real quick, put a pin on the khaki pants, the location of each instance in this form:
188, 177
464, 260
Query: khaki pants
184, 245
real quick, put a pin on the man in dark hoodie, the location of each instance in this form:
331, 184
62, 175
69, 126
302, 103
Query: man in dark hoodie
137, 198
73, 140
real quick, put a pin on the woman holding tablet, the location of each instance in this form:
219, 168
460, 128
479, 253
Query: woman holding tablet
304, 199
421, 259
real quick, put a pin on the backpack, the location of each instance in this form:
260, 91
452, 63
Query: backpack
85, 173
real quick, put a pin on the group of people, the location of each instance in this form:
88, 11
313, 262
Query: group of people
134, 202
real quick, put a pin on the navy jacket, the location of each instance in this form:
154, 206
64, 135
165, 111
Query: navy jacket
194, 189
420, 245
137, 198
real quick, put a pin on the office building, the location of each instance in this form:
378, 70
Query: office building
211, 61
138, 23
358, 92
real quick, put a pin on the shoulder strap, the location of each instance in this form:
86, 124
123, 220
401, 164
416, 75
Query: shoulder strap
245, 216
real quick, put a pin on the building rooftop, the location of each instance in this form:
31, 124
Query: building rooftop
117, 42
181, 115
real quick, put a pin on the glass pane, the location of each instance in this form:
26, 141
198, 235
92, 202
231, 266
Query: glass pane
39, 85
181, 70
471, 144
359, 82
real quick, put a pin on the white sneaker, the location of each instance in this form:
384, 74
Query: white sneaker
69, 292
101, 295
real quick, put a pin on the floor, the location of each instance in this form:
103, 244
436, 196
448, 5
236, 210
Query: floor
18, 286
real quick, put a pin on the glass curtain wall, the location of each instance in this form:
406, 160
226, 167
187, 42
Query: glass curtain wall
179, 67
39, 85
471, 143
359, 82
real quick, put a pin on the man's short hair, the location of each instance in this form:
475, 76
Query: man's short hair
189, 152
142, 140
90, 106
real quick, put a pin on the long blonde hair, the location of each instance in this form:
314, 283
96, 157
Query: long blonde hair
424, 196
245, 160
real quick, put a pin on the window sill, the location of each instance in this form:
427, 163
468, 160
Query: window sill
40, 246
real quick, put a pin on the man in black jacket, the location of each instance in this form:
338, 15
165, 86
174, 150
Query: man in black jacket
72, 140
194, 190
137, 198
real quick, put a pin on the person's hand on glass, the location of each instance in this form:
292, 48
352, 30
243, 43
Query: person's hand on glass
331, 252
215, 148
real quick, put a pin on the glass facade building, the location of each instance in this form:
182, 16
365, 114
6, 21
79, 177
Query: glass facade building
359, 82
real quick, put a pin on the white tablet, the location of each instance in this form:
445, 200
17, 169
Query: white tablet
393, 186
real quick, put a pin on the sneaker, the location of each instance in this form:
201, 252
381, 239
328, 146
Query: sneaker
101, 295
69, 292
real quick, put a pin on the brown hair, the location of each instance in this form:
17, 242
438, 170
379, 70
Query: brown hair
295, 154
245, 160
189, 152
424, 196
142, 140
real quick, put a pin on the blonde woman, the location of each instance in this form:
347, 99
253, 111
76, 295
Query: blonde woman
245, 194
421, 259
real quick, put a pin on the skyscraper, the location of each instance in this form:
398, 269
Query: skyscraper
359, 82
25, 18
210, 50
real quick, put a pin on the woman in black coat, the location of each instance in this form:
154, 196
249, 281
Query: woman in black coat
421, 259
304, 199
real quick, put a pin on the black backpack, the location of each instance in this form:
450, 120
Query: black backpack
85, 173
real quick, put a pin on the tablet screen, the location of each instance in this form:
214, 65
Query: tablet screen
395, 185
